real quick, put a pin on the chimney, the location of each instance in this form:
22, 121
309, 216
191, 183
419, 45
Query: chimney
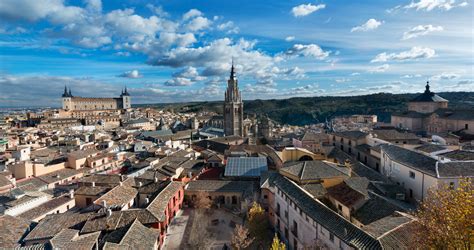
109, 212
156, 179
147, 200
71, 193
140, 184
93, 184
104, 203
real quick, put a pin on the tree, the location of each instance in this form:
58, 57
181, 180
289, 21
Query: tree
446, 218
202, 202
277, 244
241, 238
258, 223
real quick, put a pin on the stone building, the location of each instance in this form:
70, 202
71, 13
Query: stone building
76, 103
429, 113
233, 107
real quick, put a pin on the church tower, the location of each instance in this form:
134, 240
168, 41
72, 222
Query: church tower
67, 99
233, 107
126, 102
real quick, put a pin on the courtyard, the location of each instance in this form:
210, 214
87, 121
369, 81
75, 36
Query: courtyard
192, 229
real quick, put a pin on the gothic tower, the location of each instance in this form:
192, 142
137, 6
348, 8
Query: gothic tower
233, 107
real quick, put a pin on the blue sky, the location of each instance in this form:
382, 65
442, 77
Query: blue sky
174, 51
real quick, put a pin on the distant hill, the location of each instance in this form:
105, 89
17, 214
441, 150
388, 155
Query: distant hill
310, 110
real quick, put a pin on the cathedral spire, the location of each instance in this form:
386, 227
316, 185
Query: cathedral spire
232, 71
70, 93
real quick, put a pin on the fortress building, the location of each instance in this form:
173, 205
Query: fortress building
233, 107
75, 103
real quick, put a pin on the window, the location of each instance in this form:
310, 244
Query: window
295, 244
451, 185
286, 232
265, 196
466, 126
286, 214
295, 229
331, 237
411, 193
339, 207
278, 209
412, 174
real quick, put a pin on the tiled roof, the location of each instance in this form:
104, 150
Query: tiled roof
345, 195
314, 170
135, 236
353, 135
393, 135
91, 191
70, 239
59, 175
118, 196
411, 159
459, 155
456, 169
158, 206
102, 179
46, 207
53, 224
317, 190
375, 208
153, 187
386, 224
430, 148
11, 230
428, 96
117, 220
327, 218
219, 186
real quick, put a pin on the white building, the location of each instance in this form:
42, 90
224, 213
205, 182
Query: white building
417, 172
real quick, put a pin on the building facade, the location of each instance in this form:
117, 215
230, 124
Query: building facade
233, 107
75, 103
429, 113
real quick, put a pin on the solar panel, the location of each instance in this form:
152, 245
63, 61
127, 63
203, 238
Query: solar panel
245, 166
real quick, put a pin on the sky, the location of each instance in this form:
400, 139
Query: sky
182, 50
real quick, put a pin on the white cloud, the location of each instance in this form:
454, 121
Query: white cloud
228, 27
445, 76
371, 24
355, 74
198, 23
307, 50
429, 5
29, 10
412, 54
289, 38
192, 13
342, 80
306, 9
410, 76
94, 5
179, 81
131, 74
420, 30
378, 69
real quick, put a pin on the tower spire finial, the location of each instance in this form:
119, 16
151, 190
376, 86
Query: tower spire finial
427, 86
232, 70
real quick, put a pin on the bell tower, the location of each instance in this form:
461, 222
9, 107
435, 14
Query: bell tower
233, 107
